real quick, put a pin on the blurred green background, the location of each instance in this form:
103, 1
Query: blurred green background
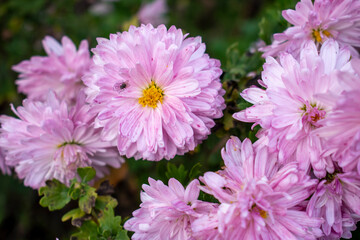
230, 29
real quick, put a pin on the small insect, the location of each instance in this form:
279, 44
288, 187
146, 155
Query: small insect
120, 86
123, 85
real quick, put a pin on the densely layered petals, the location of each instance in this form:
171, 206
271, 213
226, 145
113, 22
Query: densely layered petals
155, 91
60, 71
318, 22
166, 212
289, 109
337, 201
259, 198
51, 140
341, 129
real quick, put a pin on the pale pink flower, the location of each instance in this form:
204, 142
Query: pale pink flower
341, 128
51, 140
325, 19
166, 212
155, 90
288, 109
60, 71
337, 200
153, 12
4, 168
259, 198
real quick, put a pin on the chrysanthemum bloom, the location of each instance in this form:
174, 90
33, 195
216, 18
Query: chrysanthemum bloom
341, 129
166, 212
60, 71
156, 91
288, 110
337, 200
4, 168
51, 140
153, 13
258, 198
325, 19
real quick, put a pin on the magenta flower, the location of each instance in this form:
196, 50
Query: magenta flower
166, 212
289, 110
60, 71
155, 90
153, 13
337, 200
325, 19
259, 199
341, 129
51, 140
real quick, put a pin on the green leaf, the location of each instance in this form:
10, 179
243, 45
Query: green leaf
105, 201
55, 195
110, 226
87, 199
176, 172
86, 174
195, 171
87, 231
76, 215
75, 189
122, 235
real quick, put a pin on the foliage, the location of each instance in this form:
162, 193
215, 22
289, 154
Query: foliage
94, 216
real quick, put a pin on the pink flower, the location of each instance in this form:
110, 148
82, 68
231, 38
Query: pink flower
166, 212
4, 168
60, 71
51, 140
341, 129
325, 19
289, 110
259, 199
155, 90
337, 200
153, 12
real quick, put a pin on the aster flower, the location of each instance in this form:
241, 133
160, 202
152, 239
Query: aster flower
153, 12
155, 91
337, 200
51, 140
60, 71
166, 212
288, 109
259, 199
325, 19
341, 129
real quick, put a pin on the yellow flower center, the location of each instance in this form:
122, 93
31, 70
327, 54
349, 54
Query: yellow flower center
319, 33
263, 214
151, 96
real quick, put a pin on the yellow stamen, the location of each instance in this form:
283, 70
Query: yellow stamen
326, 33
263, 213
317, 36
151, 96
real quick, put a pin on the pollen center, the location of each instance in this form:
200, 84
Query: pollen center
151, 96
319, 35
312, 113
263, 213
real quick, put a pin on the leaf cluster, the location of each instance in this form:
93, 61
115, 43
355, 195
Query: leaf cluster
94, 217
180, 173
